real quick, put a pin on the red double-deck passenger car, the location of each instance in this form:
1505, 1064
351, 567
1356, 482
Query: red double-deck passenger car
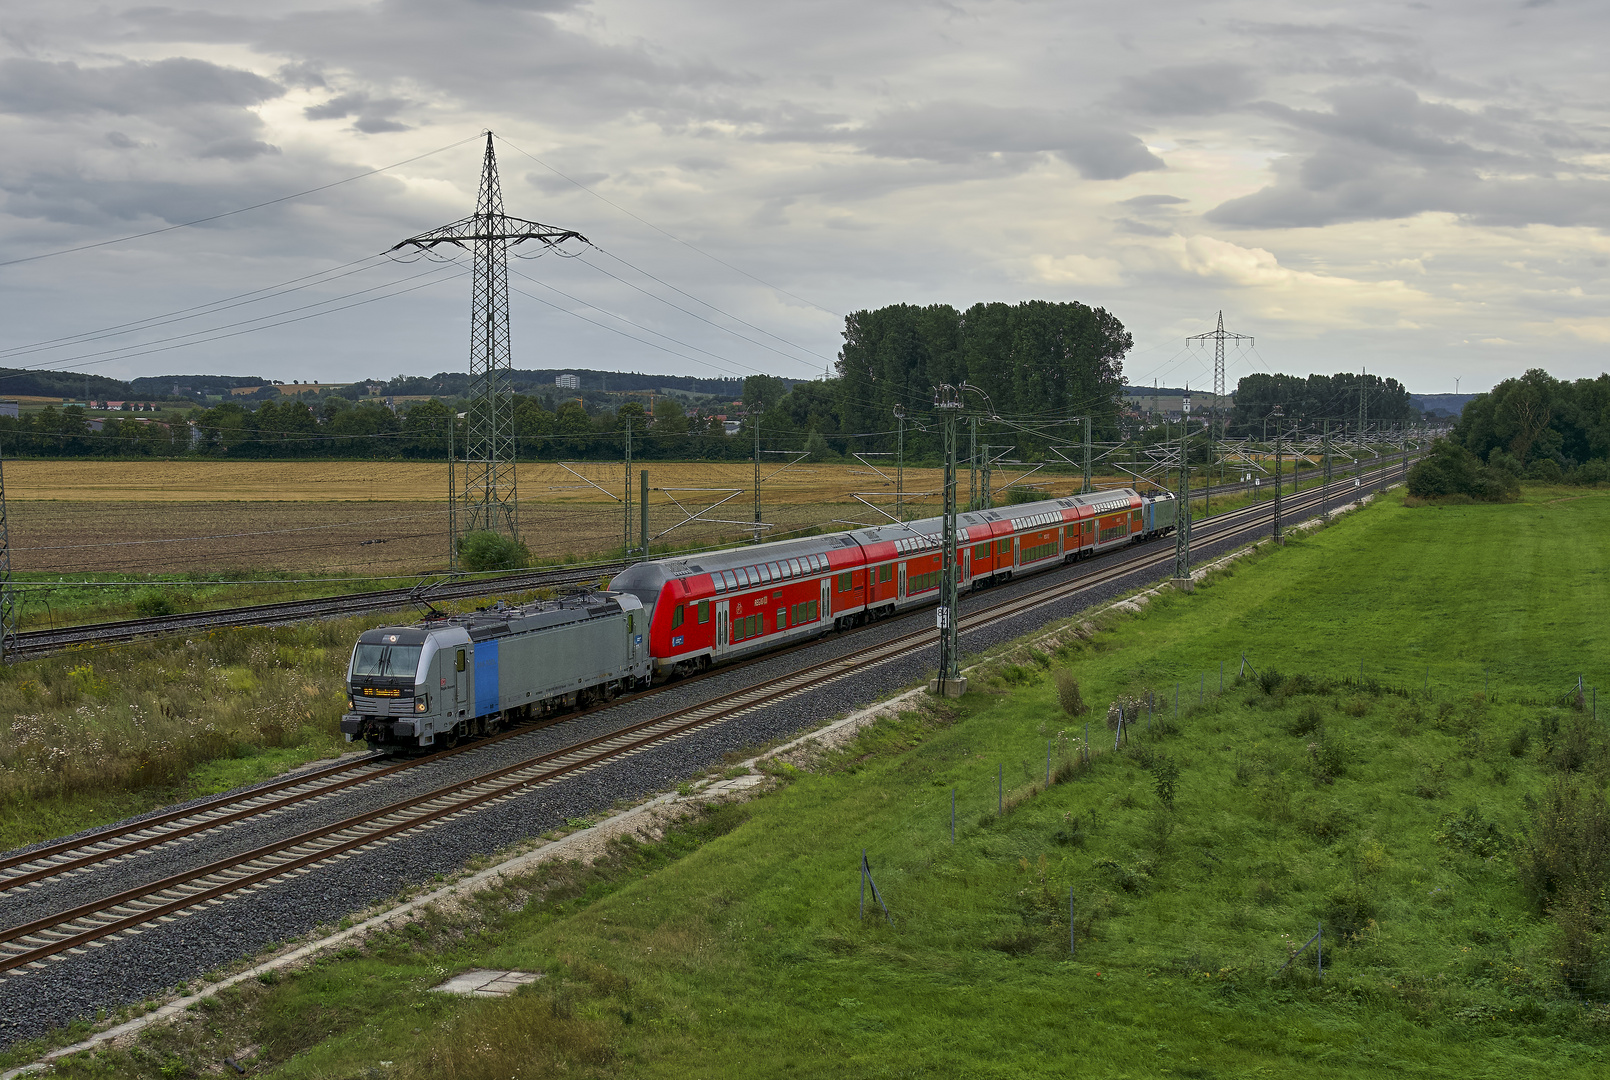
703, 609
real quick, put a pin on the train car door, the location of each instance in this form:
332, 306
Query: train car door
461, 675
902, 576
723, 629
827, 599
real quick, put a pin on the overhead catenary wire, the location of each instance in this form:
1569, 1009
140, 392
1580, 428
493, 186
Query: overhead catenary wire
268, 292
240, 210
669, 235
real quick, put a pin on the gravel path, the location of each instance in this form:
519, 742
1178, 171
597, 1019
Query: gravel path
150, 963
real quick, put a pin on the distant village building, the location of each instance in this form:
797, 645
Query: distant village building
567, 382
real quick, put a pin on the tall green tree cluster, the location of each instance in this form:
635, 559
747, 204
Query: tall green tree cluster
1313, 399
1542, 428
1037, 360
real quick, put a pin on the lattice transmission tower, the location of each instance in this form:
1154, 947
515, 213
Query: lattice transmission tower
1219, 337
487, 499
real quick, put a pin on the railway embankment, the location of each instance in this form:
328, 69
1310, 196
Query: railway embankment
1404, 754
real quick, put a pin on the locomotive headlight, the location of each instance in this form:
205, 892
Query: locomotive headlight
423, 703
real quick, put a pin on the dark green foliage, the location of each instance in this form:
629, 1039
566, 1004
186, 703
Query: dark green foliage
1306, 721
1451, 471
153, 603
1472, 834
1068, 696
1315, 398
479, 551
1567, 846
1032, 357
1540, 428
1348, 911
1166, 778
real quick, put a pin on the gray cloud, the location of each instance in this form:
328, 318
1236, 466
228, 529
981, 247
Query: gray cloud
549, 184
1143, 202
373, 115
237, 149
955, 132
45, 88
1188, 90
1383, 152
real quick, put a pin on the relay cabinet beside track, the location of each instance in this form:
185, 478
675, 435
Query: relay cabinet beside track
448, 678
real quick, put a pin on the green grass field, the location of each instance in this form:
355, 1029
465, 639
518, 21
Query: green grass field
1398, 810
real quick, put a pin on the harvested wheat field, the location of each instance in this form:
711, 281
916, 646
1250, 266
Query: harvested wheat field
388, 518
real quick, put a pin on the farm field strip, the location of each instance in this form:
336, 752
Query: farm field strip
31, 944
42, 641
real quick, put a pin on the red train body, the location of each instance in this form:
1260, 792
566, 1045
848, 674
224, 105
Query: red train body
703, 609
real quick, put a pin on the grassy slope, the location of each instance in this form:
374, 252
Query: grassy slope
735, 950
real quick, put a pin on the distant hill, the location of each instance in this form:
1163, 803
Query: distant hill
1441, 404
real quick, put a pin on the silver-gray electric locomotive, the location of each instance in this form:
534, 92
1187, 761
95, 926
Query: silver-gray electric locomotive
450, 677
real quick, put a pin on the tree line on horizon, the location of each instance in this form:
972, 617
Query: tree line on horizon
1044, 369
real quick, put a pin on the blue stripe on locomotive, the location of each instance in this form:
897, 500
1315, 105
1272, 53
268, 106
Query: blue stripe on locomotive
486, 678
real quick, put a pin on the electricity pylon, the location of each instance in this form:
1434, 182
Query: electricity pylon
1219, 337
488, 499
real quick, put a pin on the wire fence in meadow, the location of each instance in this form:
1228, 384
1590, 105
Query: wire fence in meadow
1160, 711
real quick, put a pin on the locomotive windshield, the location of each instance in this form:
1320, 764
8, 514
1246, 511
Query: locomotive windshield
392, 660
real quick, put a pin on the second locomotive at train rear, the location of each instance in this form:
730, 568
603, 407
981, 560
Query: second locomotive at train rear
447, 678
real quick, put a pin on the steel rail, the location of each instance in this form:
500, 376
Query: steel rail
29, 944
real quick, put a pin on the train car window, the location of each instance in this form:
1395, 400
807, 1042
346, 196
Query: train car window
778, 571
793, 565
727, 580
845, 582
458, 661
704, 611
676, 617
762, 575
782, 619
631, 621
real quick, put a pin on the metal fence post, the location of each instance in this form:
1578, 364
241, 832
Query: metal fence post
862, 912
1073, 949
952, 815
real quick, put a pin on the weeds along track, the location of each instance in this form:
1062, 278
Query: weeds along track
41, 642
30, 946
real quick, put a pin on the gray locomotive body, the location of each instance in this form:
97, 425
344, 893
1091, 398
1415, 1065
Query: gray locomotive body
443, 679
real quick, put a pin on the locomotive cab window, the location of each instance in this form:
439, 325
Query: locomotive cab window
458, 661
393, 660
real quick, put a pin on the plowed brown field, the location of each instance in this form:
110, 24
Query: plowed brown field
391, 517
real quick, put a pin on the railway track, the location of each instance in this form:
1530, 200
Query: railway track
33, 944
42, 642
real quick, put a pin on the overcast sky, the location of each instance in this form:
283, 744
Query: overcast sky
1418, 189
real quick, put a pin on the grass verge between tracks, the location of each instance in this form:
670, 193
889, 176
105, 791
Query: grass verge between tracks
1398, 809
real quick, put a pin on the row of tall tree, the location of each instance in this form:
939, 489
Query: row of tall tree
1310, 401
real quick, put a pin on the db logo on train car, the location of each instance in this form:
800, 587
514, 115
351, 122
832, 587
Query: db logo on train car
676, 642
